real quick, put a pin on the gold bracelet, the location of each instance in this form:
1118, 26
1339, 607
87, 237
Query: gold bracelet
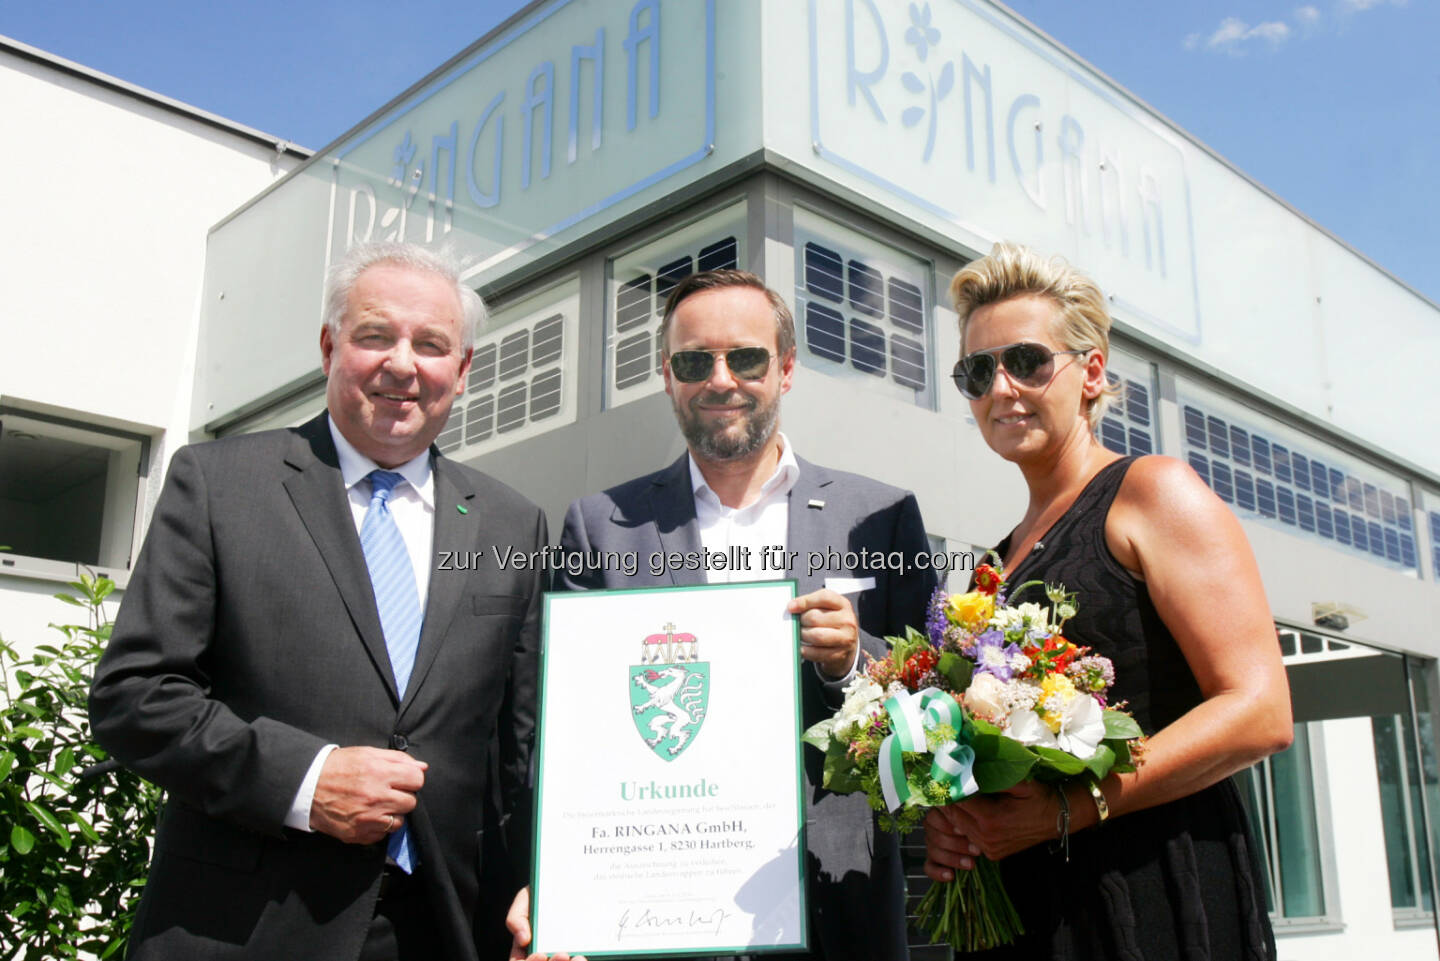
1101, 805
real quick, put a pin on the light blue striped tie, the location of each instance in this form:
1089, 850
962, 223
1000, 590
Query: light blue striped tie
398, 602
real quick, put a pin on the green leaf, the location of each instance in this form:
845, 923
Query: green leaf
49, 820
1058, 761
21, 840
7, 764
86, 828
840, 773
30, 732
984, 727
1120, 725
62, 784
957, 670
69, 599
1100, 763
1000, 762
818, 735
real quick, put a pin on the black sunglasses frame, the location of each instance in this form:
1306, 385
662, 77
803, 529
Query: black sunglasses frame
738, 367
997, 357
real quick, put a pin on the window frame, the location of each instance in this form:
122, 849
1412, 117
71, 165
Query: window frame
809, 223
105, 436
1329, 920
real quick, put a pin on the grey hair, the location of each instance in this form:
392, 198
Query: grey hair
343, 274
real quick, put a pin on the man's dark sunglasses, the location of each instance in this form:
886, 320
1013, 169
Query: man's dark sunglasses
693, 366
1029, 365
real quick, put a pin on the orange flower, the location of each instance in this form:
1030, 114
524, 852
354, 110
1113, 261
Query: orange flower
987, 579
1061, 652
917, 665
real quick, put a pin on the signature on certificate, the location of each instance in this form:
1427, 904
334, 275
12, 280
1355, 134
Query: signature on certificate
688, 919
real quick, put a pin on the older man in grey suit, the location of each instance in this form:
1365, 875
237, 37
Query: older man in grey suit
729, 351
337, 720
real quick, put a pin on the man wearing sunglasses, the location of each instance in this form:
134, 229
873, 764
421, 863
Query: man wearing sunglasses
729, 351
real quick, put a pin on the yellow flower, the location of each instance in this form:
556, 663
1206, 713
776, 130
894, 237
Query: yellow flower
1055, 692
971, 611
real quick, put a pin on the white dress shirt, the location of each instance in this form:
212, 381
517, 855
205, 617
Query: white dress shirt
412, 505
753, 528
763, 524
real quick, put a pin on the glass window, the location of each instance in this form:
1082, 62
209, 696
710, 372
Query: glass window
1311, 483
1402, 810
640, 283
68, 490
1128, 425
521, 379
1280, 796
863, 309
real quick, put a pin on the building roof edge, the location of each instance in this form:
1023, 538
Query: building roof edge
60, 64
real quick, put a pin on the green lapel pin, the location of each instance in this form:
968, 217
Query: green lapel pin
462, 508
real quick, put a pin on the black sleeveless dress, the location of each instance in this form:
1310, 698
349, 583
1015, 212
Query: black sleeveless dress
1177, 881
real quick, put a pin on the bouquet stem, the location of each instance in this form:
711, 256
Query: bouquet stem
972, 912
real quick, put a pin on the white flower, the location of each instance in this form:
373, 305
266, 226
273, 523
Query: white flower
1025, 726
862, 702
1035, 617
1006, 618
1082, 727
986, 697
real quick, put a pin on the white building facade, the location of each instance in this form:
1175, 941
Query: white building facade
108, 191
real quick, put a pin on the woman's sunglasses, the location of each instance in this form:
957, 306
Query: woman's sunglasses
693, 366
1029, 365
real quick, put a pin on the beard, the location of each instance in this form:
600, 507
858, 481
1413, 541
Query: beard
739, 438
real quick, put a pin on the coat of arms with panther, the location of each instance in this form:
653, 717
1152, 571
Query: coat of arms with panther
669, 690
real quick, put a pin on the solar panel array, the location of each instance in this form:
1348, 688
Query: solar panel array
517, 379
1299, 488
640, 305
1129, 423
858, 312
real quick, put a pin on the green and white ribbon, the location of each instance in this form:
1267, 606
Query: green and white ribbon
912, 716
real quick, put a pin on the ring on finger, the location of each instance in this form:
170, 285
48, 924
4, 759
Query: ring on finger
389, 823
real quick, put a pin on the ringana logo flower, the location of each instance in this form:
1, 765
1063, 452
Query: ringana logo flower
920, 34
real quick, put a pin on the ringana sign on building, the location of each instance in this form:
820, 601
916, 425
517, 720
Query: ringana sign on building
952, 118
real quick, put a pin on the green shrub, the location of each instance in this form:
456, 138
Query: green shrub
75, 827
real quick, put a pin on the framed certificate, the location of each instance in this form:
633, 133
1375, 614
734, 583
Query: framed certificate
669, 806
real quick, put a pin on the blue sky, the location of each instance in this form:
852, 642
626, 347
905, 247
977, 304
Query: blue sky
1334, 105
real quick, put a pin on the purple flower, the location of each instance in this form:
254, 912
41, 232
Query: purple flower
936, 623
993, 656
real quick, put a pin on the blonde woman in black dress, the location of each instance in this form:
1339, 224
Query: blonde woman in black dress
1161, 864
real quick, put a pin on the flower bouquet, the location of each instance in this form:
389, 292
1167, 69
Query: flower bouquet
989, 695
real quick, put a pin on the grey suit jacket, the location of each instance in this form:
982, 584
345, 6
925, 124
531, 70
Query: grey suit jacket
855, 883
249, 638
